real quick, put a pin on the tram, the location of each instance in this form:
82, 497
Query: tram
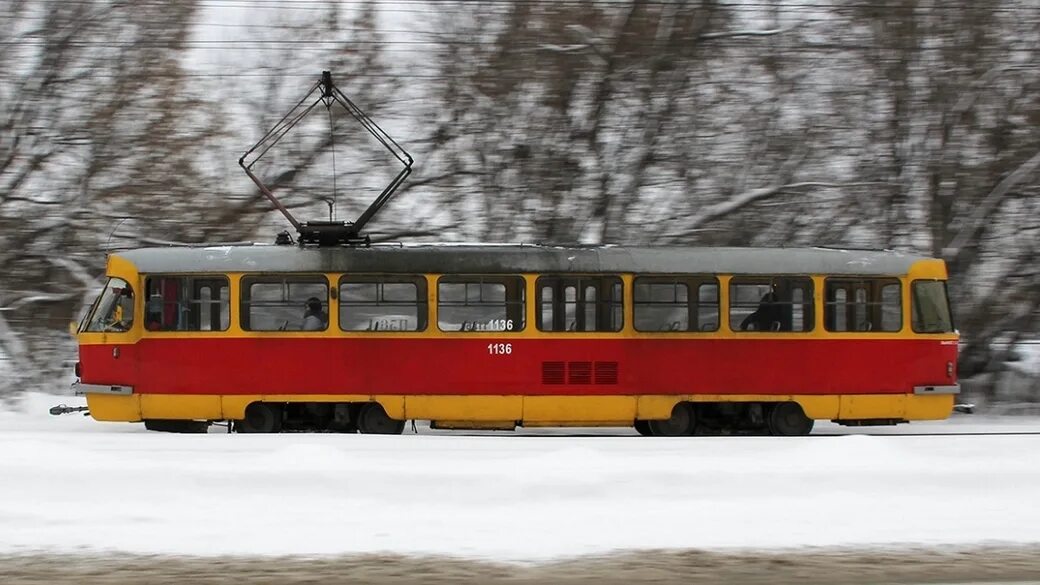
673, 341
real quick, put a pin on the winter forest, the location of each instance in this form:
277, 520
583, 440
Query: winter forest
907, 125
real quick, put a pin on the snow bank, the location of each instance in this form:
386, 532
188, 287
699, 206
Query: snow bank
70, 484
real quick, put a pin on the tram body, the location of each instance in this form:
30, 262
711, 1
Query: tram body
671, 340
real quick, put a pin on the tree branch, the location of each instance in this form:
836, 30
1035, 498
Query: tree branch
747, 33
712, 212
39, 297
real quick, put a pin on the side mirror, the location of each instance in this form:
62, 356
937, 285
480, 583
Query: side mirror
73, 328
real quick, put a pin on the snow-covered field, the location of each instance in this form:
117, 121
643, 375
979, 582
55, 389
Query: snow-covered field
69, 484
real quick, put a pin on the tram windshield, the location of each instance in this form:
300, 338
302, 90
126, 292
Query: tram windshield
114, 309
931, 309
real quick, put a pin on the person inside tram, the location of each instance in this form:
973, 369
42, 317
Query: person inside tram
767, 317
314, 318
153, 310
123, 310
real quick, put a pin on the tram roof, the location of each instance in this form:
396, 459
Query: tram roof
496, 258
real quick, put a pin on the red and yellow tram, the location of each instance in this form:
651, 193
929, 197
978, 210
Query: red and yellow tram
673, 341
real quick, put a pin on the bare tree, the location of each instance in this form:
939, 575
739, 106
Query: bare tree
911, 125
94, 131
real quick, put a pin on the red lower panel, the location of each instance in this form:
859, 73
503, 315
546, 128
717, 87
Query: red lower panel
469, 366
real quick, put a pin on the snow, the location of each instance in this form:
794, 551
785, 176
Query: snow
70, 484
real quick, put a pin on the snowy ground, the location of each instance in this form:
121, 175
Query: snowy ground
69, 484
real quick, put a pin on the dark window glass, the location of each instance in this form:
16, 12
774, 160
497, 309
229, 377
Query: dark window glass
580, 303
480, 303
868, 304
186, 303
665, 304
776, 303
291, 303
375, 303
931, 309
114, 309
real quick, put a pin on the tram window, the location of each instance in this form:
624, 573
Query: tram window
590, 304
284, 303
186, 303
114, 309
771, 304
580, 303
617, 312
545, 293
375, 303
570, 306
797, 310
863, 305
931, 309
891, 307
708, 307
837, 316
665, 304
488, 303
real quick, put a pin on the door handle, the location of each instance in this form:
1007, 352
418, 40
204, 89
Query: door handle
115, 352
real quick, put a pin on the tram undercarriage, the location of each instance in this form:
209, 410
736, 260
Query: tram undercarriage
687, 419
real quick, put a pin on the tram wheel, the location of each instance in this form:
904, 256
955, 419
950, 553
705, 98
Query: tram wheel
788, 419
261, 417
682, 422
373, 420
643, 428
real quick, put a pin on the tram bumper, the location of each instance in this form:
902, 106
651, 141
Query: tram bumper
81, 389
938, 389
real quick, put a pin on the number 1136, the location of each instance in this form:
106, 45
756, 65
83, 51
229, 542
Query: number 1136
500, 348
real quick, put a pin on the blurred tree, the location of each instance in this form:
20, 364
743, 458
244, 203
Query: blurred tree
107, 143
92, 132
619, 122
908, 125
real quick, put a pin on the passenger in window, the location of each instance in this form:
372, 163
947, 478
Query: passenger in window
123, 310
314, 318
153, 312
767, 317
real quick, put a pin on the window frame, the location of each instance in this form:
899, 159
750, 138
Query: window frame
245, 292
852, 284
88, 322
422, 301
946, 296
693, 283
808, 304
519, 307
191, 280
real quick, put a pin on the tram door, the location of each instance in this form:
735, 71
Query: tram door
208, 295
177, 303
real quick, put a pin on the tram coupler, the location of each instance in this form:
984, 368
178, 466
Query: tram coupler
964, 408
62, 409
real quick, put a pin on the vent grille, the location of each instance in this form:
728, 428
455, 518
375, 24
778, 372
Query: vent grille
552, 372
579, 373
606, 372
557, 373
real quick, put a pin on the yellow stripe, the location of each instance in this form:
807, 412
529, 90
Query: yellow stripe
532, 410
